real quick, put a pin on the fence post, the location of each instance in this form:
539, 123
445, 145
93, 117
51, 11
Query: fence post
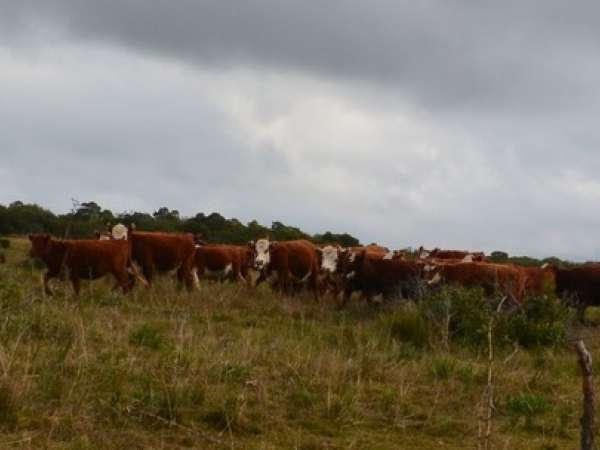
588, 420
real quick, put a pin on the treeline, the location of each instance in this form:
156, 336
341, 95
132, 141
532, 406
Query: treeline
86, 218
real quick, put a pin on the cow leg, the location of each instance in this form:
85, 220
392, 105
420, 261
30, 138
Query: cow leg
286, 287
184, 274
581, 307
314, 284
148, 272
122, 278
76, 284
45, 282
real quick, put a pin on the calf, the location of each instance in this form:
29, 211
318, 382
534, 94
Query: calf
229, 261
85, 259
537, 280
372, 274
458, 255
489, 277
583, 282
291, 262
163, 252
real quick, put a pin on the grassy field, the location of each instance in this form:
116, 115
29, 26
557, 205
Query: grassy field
231, 367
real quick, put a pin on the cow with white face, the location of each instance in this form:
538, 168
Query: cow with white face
329, 269
288, 266
119, 232
261, 255
329, 256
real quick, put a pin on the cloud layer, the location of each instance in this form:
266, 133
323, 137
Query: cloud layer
434, 123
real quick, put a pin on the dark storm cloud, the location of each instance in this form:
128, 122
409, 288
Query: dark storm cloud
515, 55
454, 123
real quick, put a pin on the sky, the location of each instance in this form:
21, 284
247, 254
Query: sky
452, 124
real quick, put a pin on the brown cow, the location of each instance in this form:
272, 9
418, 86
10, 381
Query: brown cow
292, 262
583, 282
458, 255
84, 259
537, 280
373, 274
163, 252
335, 262
224, 260
491, 277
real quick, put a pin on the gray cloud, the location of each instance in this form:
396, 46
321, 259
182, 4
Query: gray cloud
437, 123
512, 54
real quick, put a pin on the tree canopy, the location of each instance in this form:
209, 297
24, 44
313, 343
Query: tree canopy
86, 218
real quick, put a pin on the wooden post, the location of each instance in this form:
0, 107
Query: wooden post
588, 420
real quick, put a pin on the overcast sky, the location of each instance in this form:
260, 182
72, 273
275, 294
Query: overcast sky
446, 123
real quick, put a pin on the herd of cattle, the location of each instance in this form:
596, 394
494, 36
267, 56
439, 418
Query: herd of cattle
290, 266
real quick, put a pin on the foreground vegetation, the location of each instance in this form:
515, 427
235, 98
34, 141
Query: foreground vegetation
231, 367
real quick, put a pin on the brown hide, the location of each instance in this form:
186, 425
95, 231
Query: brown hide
490, 277
163, 252
293, 261
216, 258
83, 259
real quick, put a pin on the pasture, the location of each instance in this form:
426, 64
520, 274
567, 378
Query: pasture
227, 366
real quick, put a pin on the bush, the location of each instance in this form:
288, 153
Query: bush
541, 321
463, 313
409, 327
526, 406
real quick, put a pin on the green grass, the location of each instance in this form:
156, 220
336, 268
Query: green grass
231, 367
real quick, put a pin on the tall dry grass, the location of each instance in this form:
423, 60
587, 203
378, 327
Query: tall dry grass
231, 367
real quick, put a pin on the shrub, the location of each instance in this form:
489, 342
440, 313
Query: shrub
541, 321
526, 406
409, 327
462, 313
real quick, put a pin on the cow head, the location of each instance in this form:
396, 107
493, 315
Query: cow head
432, 274
261, 253
423, 254
39, 245
119, 232
329, 256
349, 261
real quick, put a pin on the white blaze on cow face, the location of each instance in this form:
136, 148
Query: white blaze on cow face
119, 232
435, 280
261, 251
351, 256
330, 257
